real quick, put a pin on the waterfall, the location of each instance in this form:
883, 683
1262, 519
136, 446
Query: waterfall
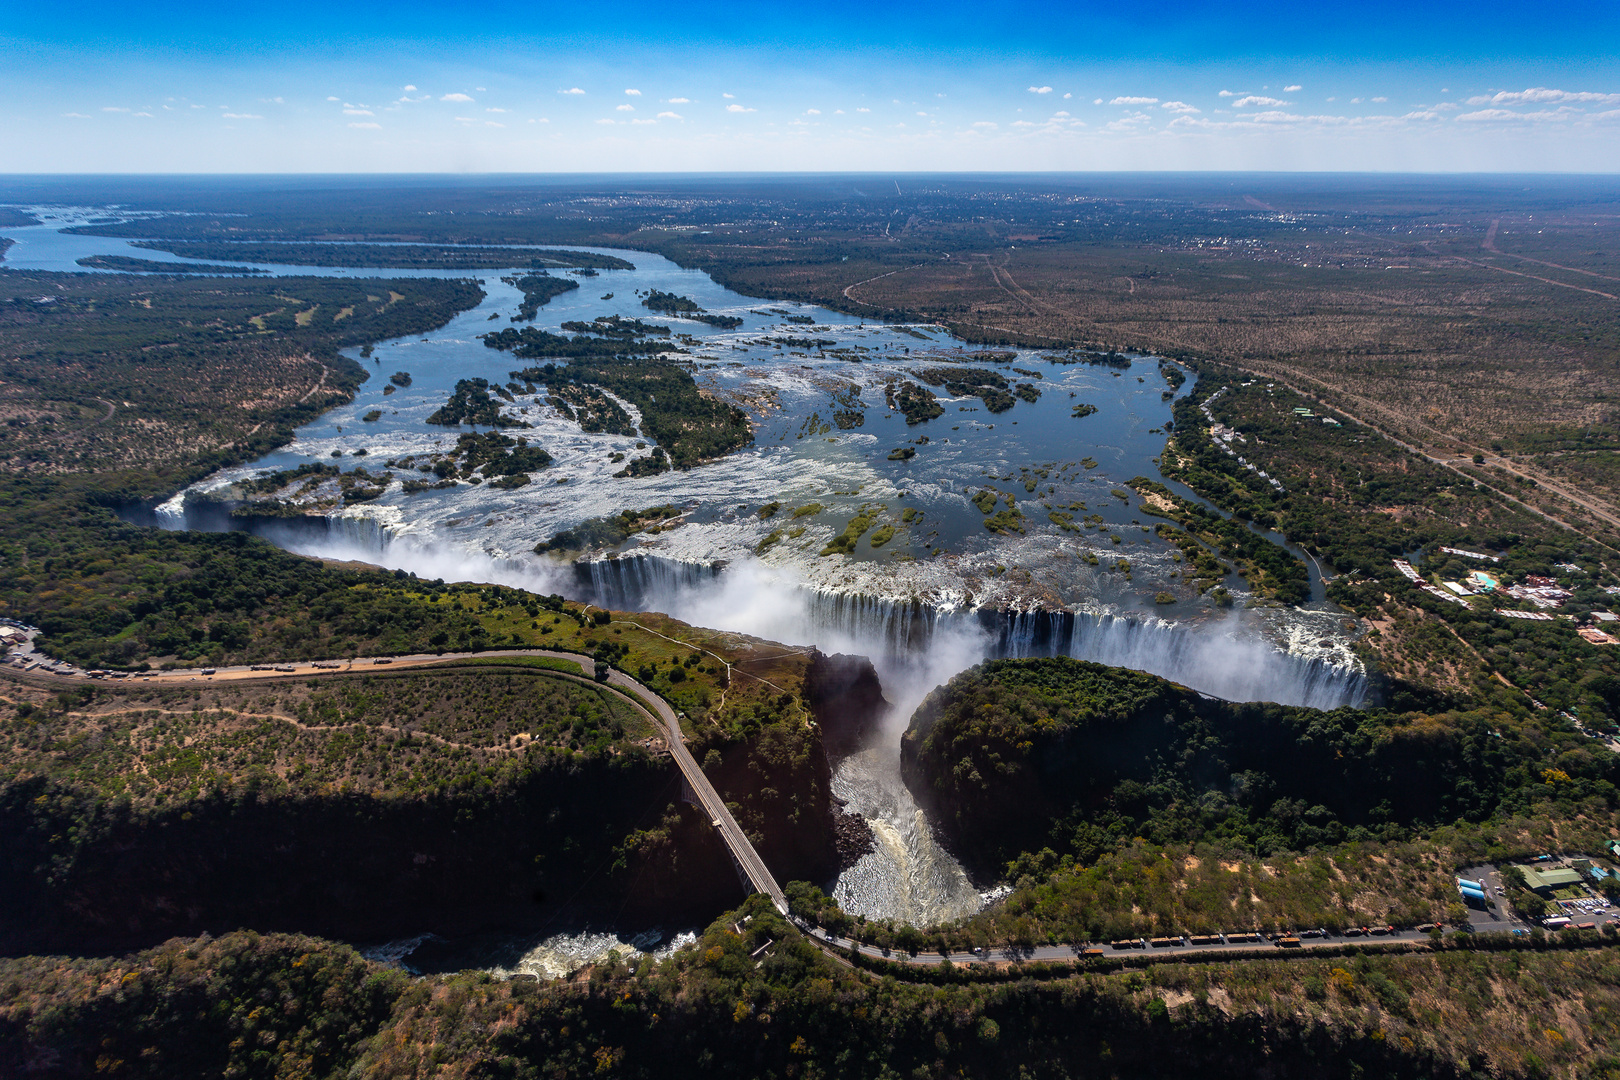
915, 645
1222, 659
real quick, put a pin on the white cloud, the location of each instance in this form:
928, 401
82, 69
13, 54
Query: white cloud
606, 120
492, 123
494, 110
76, 115
738, 108
1096, 101
1228, 93
113, 108
670, 116
465, 120
1023, 123
455, 97
728, 95
1134, 101
1355, 101
633, 93
367, 126
1178, 107
480, 89
358, 112
988, 125
812, 112
1040, 89
1541, 95
409, 88
1563, 114
679, 101
330, 98
275, 100
149, 114
571, 90
1060, 116
251, 116
862, 109
1380, 99
1296, 88
541, 120
624, 108
1255, 99
1066, 97
922, 114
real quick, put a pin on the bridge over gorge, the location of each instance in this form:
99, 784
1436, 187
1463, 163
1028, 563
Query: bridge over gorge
639, 697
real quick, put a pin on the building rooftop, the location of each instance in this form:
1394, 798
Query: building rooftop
1552, 877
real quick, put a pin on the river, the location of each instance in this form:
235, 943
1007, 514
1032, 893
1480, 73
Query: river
943, 594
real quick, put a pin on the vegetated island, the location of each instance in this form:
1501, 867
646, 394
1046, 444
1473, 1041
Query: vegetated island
129, 265
538, 290
473, 401
687, 308
386, 256
612, 355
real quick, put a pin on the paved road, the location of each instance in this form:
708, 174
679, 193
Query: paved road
1062, 953
661, 716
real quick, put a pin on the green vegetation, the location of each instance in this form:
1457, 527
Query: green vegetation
1017, 755
610, 531
497, 455
472, 402
844, 543
918, 405
616, 326
1006, 522
1359, 501
1269, 568
689, 426
195, 1008
387, 256
986, 500
588, 406
537, 290
686, 308
126, 264
147, 373
981, 383
904, 453
1083, 410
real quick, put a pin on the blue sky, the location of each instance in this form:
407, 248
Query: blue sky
414, 87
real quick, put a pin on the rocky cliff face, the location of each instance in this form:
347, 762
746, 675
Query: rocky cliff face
573, 837
847, 699
780, 780
571, 841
